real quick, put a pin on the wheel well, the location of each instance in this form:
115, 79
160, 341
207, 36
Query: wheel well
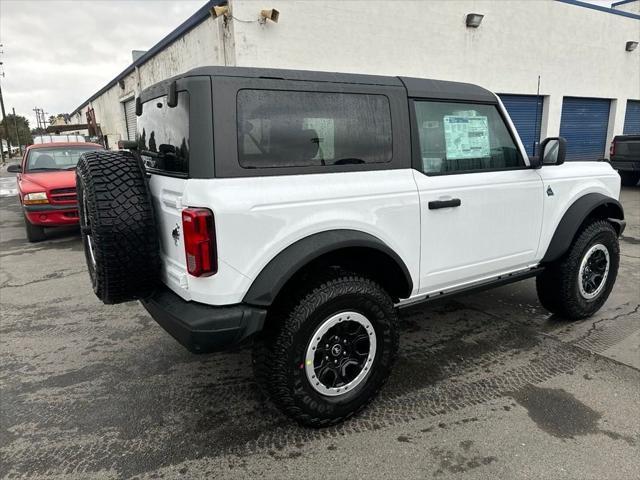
590, 207
605, 211
369, 262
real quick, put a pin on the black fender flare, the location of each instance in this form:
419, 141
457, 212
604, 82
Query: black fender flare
285, 264
575, 216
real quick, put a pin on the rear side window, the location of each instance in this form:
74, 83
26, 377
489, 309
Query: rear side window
303, 129
459, 137
163, 135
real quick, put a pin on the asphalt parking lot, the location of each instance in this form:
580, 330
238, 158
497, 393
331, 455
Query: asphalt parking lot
487, 386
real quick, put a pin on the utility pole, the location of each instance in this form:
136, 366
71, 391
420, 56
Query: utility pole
15, 125
1, 148
4, 117
37, 110
41, 117
2, 104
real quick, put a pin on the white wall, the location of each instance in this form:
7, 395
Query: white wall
631, 7
576, 51
200, 46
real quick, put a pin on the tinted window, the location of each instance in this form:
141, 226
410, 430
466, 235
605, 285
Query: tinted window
163, 134
457, 137
55, 158
302, 129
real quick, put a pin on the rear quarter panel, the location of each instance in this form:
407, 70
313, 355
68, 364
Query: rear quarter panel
256, 218
569, 182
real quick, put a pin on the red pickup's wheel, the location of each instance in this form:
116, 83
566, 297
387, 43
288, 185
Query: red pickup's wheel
35, 233
117, 225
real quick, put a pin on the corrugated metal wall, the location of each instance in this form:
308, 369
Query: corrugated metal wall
632, 118
584, 124
130, 118
526, 113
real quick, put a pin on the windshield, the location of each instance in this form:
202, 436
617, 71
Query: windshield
55, 158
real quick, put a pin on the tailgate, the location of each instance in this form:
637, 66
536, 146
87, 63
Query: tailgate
627, 148
163, 142
167, 202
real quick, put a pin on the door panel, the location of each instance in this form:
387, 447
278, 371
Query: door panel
480, 205
496, 227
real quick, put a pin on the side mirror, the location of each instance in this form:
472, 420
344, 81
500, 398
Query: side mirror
14, 168
552, 151
535, 162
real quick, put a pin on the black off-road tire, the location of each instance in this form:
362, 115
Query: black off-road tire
547, 289
558, 286
35, 233
279, 357
117, 225
629, 179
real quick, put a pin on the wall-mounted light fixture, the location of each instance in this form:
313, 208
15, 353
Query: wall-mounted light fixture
631, 46
271, 14
219, 10
474, 20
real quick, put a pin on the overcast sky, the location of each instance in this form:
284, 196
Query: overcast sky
58, 53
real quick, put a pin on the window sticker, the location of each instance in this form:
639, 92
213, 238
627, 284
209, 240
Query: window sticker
466, 137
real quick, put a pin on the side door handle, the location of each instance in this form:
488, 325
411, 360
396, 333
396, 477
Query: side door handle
435, 204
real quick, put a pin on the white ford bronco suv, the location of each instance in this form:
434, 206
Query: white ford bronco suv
302, 209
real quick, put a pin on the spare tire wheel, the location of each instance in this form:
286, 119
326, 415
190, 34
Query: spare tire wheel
118, 226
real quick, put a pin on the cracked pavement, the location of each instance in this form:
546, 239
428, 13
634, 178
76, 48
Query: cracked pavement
487, 386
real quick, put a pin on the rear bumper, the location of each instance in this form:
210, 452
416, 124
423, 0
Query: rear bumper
203, 328
625, 165
52, 215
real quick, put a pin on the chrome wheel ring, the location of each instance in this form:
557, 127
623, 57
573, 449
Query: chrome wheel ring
340, 354
594, 270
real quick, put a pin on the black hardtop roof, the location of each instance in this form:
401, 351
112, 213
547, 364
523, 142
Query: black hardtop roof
416, 87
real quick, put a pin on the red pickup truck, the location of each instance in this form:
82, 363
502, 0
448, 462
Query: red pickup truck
47, 185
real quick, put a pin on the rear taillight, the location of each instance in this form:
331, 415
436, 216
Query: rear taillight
612, 149
199, 241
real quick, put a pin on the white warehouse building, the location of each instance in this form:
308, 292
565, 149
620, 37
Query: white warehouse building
581, 58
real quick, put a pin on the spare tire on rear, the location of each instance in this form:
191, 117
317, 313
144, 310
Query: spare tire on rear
118, 226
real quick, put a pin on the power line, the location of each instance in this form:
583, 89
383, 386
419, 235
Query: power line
41, 117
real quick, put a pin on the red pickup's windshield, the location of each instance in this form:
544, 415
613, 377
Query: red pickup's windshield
55, 158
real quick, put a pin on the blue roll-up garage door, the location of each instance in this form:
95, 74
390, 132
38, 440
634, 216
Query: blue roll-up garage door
632, 118
526, 113
584, 124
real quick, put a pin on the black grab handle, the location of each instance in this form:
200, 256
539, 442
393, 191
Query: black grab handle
435, 204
